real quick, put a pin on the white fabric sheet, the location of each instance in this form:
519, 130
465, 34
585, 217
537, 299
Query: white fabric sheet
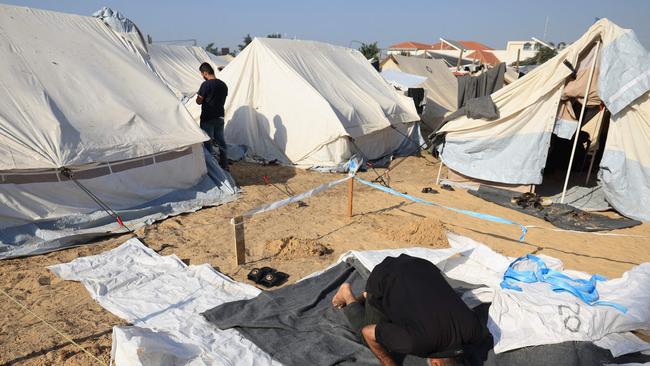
163, 298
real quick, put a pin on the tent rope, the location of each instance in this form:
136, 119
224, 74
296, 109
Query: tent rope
66, 172
423, 145
66, 337
380, 177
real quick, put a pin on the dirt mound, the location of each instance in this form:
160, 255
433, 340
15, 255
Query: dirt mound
292, 247
427, 232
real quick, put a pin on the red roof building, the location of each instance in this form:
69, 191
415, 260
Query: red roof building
456, 45
485, 57
410, 46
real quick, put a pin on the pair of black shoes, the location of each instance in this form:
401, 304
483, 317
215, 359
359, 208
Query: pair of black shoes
267, 276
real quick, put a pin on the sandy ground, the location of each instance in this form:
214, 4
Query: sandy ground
295, 240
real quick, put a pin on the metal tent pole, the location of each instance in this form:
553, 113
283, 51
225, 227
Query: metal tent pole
579, 128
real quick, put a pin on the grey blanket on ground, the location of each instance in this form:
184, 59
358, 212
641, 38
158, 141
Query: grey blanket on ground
297, 325
470, 87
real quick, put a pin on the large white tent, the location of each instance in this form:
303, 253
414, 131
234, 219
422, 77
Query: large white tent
513, 148
441, 86
178, 66
73, 98
313, 104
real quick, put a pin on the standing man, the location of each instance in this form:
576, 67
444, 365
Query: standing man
212, 98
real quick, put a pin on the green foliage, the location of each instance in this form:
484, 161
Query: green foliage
274, 35
543, 55
369, 50
212, 49
247, 40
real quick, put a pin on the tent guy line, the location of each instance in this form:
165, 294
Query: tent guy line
66, 337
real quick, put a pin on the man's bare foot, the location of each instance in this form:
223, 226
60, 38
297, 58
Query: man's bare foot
343, 296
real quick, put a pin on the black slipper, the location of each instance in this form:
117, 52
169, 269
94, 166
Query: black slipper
274, 278
257, 274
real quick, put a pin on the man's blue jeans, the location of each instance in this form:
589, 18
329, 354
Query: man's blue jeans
214, 129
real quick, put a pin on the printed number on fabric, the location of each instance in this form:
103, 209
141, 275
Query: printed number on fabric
571, 317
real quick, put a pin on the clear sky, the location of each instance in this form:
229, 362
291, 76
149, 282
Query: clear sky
387, 22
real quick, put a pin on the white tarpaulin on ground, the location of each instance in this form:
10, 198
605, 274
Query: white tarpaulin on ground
531, 317
74, 94
513, 149
301, 102
163, 298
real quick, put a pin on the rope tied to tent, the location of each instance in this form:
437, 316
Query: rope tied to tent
380, 177
68, 173
66, 337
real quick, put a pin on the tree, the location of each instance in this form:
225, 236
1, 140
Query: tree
247, 40
274, 35
543, 55
369, 50
212, 49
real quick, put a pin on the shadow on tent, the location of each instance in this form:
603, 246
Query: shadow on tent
265, 138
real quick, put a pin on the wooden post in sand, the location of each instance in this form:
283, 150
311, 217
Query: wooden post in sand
350, 195
240, 244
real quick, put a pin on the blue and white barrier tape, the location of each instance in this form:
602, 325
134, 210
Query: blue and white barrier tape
479, 215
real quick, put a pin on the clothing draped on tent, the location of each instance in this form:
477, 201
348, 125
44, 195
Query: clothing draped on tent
470, 87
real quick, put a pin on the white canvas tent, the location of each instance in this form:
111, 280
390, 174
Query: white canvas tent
178, 66
74, 97
513, 148
302, 103
441, 86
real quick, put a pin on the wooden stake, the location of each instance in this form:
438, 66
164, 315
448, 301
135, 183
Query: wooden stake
350, 195
240, 243
439, 171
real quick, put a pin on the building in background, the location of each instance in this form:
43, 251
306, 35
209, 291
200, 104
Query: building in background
472, 51
409, 49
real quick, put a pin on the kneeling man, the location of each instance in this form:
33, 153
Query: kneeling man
408, 308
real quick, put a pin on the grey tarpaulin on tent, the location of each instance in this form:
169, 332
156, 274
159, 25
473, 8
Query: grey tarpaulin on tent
470, 87
297, 325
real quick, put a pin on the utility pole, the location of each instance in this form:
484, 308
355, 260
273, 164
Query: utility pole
545, 29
